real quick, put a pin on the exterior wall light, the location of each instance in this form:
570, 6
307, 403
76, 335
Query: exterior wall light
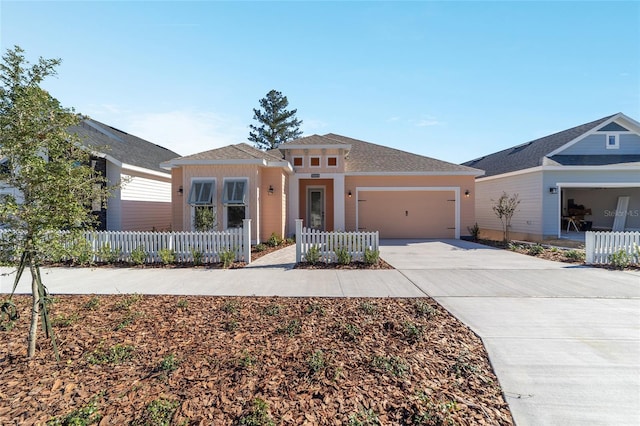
467, 193
180, 190
270, 190
349, 194
553, 190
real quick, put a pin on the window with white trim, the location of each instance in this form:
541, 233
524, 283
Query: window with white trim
201, 199
613, 141
235, 202
332, 161
314, 162
297, 162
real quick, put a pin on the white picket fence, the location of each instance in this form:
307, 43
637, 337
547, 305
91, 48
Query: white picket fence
600, 245
327, 242
207, 245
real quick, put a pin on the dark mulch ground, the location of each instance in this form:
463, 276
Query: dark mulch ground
211, 360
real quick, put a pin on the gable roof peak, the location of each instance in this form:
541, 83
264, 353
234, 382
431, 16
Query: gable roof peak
533, 153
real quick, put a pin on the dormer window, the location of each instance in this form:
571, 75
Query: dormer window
613, 141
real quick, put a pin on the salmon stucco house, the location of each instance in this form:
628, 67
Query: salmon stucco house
332, 182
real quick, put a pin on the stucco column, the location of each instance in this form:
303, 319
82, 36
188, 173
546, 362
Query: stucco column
294, 202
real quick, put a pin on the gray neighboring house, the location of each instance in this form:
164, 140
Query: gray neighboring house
586, 177
143, 203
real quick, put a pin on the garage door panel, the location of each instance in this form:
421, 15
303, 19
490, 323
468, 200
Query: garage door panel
407, 214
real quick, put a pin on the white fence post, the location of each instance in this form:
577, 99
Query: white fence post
246, 240
298, 240
589, 241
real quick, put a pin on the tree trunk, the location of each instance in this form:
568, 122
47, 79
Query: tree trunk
35, 312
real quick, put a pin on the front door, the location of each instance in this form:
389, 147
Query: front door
315, 208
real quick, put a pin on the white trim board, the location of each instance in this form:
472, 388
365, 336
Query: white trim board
612, 168
455, 189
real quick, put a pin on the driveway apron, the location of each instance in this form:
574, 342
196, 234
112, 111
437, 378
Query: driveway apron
564, 340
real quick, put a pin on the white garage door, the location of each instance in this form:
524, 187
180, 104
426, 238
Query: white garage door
407, 213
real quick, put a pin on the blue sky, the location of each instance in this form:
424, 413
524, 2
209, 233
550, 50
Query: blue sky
449, 80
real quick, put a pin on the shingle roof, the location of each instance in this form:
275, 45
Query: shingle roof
313, 140
530, 154
241, 151
366, 157
122, 146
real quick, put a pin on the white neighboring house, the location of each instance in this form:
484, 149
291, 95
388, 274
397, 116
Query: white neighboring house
579, 179
143, 203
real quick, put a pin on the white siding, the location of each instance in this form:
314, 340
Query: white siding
528, 217
145, 202
137, 188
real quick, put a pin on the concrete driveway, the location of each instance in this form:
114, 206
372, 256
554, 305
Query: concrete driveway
564, 341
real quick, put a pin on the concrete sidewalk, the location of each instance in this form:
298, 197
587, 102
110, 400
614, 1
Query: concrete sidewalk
271, 275
564, 340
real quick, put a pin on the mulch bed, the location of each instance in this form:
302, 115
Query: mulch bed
230, 360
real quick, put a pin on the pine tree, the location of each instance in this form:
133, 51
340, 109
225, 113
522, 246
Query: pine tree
277, 124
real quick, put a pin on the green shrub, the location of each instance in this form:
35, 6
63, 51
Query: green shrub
138, 256
231, 307
364, 418
272, 310
168, 364
535, 250
394, 365
620, 259
227, 257
576, 255
342, 256
413, 332
197, 256
313, 255
64, 320
371, 257
83, 416
258, 416
368, 308
274, 240
316, 362
158, 412
292, 328
260, 247
109, 255
126, 302
423, 309
81, 252
474, 231
350, 332
116, 354
167, 256
464, 366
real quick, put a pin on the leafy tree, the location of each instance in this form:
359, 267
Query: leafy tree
505, 208
277, 124
54, 184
